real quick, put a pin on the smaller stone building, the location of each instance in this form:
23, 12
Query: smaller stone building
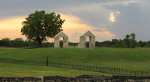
87, 44
61, 40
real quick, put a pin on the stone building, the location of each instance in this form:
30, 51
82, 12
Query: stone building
61, 40
87, 44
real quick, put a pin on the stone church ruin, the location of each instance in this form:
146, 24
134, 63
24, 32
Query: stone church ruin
87, 44
87, 40
61, 40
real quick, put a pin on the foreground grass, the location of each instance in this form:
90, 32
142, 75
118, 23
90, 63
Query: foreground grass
31, 62
17, 70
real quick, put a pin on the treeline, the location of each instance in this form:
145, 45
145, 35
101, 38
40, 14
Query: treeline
20, 43
115, 43
128, 42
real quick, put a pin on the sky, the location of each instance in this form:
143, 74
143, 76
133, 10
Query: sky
107, 19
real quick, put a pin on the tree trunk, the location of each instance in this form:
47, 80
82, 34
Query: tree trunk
39, 42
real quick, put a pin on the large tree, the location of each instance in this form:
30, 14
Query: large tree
40, 25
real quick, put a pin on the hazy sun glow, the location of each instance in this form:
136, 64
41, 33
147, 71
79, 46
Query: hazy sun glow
113, 16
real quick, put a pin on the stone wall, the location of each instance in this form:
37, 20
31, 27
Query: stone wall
77, 79
20, 79
98, 79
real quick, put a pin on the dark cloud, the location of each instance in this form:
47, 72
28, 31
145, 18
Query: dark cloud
23, 7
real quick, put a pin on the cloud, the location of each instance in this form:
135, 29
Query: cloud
10, 27
99, 13
120, 2
94, 15
73, 27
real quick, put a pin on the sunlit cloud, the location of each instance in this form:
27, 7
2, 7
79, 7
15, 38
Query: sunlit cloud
74, 27
85, 14
10, 27
11, 23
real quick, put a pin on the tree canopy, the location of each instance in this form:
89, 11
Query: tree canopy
40, 25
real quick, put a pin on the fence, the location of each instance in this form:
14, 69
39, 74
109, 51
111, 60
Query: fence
115, 70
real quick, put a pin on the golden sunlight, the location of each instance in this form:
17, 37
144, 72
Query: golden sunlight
73, 27
10, 27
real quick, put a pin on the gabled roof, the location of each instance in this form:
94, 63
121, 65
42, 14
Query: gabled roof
61, 34
88, 33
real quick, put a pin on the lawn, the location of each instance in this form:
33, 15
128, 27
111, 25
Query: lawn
32, 62
18, 70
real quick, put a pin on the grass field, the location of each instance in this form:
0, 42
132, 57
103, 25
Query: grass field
31, 62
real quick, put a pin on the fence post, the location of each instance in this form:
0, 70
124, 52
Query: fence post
47, 61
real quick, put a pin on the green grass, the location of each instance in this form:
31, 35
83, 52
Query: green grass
31, 62
17, 70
